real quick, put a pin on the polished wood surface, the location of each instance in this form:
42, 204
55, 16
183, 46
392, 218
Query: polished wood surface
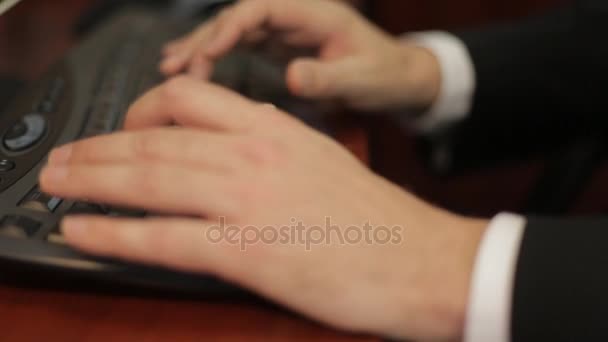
45, 315
25, 51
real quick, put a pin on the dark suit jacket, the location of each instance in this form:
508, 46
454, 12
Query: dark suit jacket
544, 75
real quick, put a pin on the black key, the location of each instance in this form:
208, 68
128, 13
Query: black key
56, 237
16, 131
46, 106
25, 133
7, 165
39, 201
56, 89
19, 226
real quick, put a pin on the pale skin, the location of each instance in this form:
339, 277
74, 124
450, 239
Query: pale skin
196, 152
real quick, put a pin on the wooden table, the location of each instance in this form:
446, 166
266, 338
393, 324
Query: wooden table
36, 315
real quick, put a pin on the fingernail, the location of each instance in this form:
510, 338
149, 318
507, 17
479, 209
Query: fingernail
269, 105
61, 155
74, 226
54, 174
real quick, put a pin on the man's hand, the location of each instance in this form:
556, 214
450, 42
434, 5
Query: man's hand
363, 255
357, 62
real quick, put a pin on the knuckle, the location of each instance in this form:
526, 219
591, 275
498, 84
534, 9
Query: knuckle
173, 90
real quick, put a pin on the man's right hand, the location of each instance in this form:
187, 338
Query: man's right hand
357, 62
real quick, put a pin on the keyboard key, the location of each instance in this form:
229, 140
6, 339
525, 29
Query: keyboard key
6, 165
56, 89
25, 133
46, 106
39, 201
16, 131
56, 237
19, 226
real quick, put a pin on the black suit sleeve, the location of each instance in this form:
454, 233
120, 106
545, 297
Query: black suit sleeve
541, 75
561, 285
547, 73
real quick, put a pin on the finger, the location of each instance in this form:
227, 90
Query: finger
173, 64
186, 101
200, 66
182, 244
313, 78
192, 54
250, 16
176, 56
179, 53
172, 146
153, 187
172, 46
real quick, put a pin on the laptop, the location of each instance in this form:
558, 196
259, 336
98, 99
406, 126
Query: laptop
87, 94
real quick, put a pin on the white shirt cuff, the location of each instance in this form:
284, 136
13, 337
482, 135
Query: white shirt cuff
490, 304
458, 83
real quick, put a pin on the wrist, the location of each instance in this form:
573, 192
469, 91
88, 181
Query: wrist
455, 247
442, 247
468, 234
422, 77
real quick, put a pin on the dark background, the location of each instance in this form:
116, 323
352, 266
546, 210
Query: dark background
512, 184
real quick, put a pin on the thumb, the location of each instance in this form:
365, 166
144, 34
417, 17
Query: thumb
313, 78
